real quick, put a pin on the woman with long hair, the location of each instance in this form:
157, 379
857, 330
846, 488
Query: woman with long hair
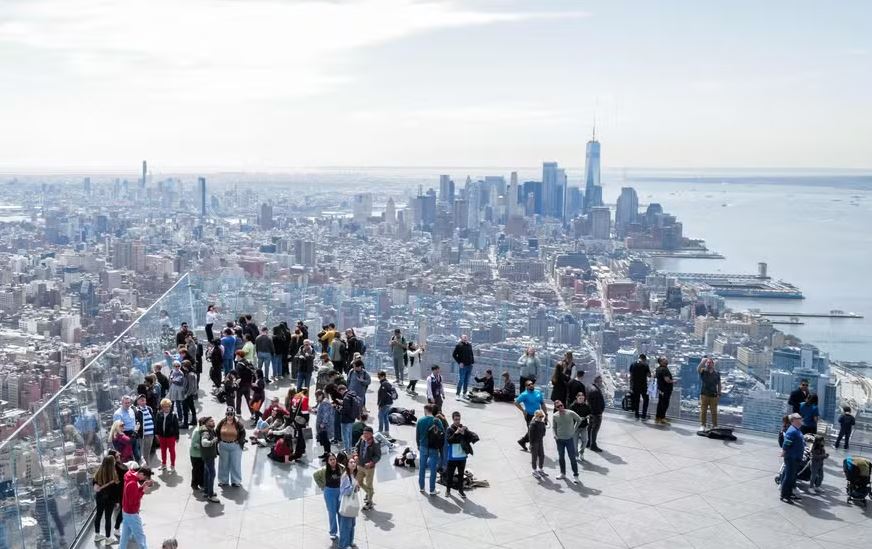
121, 442
104, 480
328, 478
348, 485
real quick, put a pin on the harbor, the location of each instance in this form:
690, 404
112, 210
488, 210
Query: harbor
835, 313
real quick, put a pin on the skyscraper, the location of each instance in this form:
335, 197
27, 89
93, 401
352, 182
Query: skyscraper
512, 195
390, 212
549, 188
362, 207
461, 213
601, 221
627, 210
446, 190
593, 192
201, 188
266, 216
144, 171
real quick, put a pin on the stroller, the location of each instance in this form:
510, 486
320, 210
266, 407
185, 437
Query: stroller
857, 474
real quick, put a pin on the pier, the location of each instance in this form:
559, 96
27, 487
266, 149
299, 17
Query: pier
831, 314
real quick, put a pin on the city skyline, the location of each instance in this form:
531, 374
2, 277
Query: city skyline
397, 82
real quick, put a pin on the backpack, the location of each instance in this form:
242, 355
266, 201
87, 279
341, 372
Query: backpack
436, 435
361, 347
355, 406
627, 403
393, 394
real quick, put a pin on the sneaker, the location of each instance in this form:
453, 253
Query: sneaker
575, 479
112, 540
213, 499
117, 532
596, 448
536, 473
434, 493
99, 537
235, 485
457, 397
462, 495
422, 491
334, 537
561, 476
543, 473
222, 484
172, 469
523, 446
448, 493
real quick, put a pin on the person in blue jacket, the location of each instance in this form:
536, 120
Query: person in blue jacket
791, 451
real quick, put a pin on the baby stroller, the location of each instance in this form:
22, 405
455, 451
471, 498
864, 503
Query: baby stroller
804, 472
857, 474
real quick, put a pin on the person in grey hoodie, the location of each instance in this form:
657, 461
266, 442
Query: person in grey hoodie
359, 379
530, 366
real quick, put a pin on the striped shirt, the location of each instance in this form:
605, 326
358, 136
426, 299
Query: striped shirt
147, 422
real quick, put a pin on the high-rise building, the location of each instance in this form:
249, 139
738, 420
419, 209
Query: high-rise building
762, 411
601, 222
627, 210
461, 213
512, 195
304, 252
266, 216
390, 212
362, 207
144, 172
201, 188
532, 192
86, 186
593, 193
446, 190
553, 189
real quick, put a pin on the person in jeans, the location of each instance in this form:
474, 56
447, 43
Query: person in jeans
385, 401
528, 402
597, 403
145, 425
231, 439
792, 450
208, 453
328, 479
582, 410
136, 482
127, 416
464, 358
565, 424
195, 452
427, 431
665, 382
264, 350
398, 347
709, 391
349, 411
536, 437
228, 350
435, 389
368, 454
348, 485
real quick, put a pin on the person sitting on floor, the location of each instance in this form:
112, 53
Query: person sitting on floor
507, 392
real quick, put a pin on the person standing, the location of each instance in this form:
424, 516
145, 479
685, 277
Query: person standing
265, 350
349, 411
386, 394
460, 441
182, 334
528, 402
398, 347
846, 425
597, 403
709, 391
282, 344
195, 452
127, 416
208, 452
104, 482
228, 350
245, 379
145, 426
798, 396
565, 424
177, 388
192, 391
639, 374
792, 450
582, 410
416, 367
665, 382
536, 436
560, 378
166, 429
810, 414
435, 389
324, 420
211, 320
348, 486
368, 455
305, 361
575, 386
328, 479
136, 482
529, 367
430, 436
464, 357
359, 380
231, 437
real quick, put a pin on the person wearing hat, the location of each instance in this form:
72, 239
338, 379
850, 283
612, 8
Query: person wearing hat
368, 453
136, 482
791, 451
231, 440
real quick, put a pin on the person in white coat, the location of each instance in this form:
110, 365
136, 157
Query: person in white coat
416, 367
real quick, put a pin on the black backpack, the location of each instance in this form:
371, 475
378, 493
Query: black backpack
436, 435
627, 403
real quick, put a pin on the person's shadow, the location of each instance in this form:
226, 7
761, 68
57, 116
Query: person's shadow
380, 519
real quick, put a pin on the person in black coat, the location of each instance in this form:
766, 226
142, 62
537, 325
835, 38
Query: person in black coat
487, 382
640, 372
282, 342
575, 386
560, 378
798, 396
597, 403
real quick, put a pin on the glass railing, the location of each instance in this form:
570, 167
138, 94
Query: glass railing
46, 465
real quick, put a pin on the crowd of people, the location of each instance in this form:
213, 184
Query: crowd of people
245, 358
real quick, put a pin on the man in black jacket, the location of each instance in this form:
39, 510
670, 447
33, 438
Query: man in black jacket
575, 386
798, 396
639, 374
597, 403
464, 358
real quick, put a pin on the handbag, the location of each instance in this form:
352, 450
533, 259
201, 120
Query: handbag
349, 505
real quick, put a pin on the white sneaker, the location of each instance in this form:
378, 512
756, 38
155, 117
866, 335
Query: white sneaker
543, 473
575, 479
111, 540
99, 537
434, 493
560, 476
117, 533
172, 469
457, 397
535, 473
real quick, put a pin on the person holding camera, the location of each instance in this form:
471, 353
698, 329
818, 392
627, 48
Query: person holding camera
136, 483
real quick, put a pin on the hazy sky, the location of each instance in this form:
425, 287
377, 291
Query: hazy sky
272, 84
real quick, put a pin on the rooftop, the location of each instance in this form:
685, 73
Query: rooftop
650, 487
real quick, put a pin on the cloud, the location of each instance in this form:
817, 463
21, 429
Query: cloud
220, 50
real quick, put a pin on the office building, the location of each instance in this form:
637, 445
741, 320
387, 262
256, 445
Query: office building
553, 189
362, 207
266, 216
601, 222
531, 194
627, 210
763, 410
446, 190
593, 193
144, 171
461, 213
201, 192
390, 212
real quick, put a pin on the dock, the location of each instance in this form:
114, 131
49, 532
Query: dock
831, 314
739, 285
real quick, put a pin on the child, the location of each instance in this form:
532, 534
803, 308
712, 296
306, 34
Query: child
230, 385
258, 395
537, 443
846, 425
818, 455
785, 425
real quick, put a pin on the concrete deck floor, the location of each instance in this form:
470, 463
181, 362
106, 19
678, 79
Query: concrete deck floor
650, 487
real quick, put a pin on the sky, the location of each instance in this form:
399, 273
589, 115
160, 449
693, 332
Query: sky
277, 84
